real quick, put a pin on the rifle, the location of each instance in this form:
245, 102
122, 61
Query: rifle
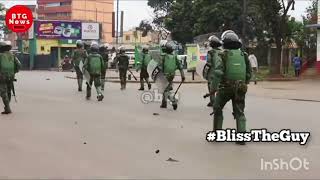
212, 93
13, 90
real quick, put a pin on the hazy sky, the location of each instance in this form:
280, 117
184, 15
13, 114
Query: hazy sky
137, 10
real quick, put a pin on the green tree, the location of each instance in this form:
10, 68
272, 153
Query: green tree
3, 27
274, 14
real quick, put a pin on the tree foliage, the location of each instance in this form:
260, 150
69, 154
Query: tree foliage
3, 27
265, 21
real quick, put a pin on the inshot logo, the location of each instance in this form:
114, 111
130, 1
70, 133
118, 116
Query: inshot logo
19, 18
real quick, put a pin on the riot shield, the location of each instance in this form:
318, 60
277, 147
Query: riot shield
85, 73
203, 69
157, 76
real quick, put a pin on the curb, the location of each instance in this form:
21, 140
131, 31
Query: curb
282, 79
116, 80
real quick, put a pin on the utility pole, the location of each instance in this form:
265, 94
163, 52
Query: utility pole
96, 14
117, 28
244, 23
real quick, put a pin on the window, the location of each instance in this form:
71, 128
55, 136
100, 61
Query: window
63, 14
127, 38
51, 14
52, 4
65, 3
42, 48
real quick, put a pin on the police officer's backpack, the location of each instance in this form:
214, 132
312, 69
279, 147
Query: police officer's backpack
235, 65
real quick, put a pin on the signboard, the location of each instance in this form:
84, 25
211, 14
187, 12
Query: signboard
90, 31
193, 52
58, 29
203, 53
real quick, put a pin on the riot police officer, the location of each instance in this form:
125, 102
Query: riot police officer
9, 66
215, 43
144, 76
122, 62
232, 73
79, 55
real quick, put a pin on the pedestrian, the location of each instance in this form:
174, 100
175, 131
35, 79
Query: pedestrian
213, 54
144, 76
79, 55
297, 63
94, 64
232, 74
103, 51
254, 65
169, 64
9, 66
122, 63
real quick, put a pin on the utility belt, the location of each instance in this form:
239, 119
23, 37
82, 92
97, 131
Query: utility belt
5, 78
239, 87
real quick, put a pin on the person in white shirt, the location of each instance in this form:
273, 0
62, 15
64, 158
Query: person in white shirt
254, 65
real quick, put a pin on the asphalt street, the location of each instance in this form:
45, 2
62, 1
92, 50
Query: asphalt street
56, 133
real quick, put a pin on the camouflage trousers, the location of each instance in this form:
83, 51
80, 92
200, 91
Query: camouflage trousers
79, 76
167, 94
123, 77
144, 76
209, 90
5, 93
103, 77
97, 83
237, 96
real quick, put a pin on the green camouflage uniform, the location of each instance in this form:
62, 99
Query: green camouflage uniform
79, 55
105, 58
122, 61
169, 64
144, 76
9, 66
213, 55
231, 86
94, 64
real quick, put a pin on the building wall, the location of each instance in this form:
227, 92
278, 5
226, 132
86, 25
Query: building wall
44, 45
61, 12
83, 10
95, 11
13, 38
129, 38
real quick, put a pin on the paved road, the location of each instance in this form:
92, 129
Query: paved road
55, 133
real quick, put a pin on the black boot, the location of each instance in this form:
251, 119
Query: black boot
122, 86
163, 104
80, 85
7, 110
149, 86
175, 106
88, 96
100, 97
141, 89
